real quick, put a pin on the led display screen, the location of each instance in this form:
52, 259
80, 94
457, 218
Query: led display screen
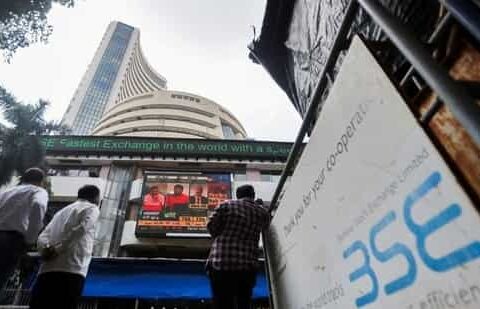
180, 204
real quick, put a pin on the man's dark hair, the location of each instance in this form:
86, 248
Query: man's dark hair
246, 191
33, 175
89, 193
178, 186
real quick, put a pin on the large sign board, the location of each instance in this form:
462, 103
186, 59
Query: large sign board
373, 217
179, 204
110, 145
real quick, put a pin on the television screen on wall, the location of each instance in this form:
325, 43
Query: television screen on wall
179, 204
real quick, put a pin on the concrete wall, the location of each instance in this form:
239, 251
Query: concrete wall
66, 187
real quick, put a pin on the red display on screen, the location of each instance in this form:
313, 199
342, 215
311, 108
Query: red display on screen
180, 203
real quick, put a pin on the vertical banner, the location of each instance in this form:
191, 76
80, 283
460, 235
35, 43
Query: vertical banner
373, 217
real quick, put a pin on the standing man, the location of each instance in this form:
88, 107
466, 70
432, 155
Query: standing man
22, 209
66, 247
232, 265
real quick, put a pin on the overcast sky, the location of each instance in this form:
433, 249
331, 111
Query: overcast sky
200, 46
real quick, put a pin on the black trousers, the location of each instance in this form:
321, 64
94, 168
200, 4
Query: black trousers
12, 248
232, 289
57, 290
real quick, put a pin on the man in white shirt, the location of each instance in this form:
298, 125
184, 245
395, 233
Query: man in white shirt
22, 209
66, 246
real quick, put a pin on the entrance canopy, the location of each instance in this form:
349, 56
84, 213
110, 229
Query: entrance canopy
153, 279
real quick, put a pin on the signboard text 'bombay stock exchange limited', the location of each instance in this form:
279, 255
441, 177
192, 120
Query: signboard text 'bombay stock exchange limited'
161, 147
373, 217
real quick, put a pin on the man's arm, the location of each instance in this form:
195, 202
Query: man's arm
37, 213
216, 221
269, 216
87, 219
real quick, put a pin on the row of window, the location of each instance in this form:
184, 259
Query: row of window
98, 91
118, 111
228, 132
185, 97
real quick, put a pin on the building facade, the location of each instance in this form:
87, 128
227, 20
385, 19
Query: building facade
172, 114
117, 72
140, 262
131, 135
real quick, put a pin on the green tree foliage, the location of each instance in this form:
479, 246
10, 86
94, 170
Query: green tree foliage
24, 22
20, 147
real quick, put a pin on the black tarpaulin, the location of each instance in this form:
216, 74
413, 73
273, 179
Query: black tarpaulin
297, 37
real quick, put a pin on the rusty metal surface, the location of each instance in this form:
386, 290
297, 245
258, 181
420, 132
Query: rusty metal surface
461, 150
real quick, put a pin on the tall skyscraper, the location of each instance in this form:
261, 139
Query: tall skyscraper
117, 72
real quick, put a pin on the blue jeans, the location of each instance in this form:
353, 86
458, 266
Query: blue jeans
12, 248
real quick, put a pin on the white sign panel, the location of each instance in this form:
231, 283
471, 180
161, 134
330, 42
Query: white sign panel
373, 217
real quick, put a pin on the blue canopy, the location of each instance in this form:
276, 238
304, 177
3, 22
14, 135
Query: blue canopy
153, 279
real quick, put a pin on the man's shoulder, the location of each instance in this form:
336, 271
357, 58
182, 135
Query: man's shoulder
259, 208
28, 190
42, 194
24, 188
239, 203
228, 203
86, 205
65, 209
78, 206
11, 191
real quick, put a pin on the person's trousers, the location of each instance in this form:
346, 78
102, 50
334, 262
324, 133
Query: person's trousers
232, 289
57, 290
12, 248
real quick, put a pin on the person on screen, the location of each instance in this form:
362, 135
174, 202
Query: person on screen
197, 199
177, 199
153, 201
232, 264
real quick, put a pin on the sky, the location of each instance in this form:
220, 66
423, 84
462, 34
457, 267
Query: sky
199, 46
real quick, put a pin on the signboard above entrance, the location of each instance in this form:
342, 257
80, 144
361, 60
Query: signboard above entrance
158, 147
